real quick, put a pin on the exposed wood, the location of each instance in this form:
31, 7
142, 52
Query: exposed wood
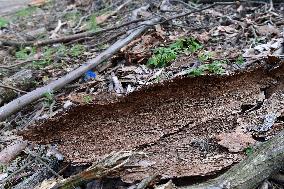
252, 171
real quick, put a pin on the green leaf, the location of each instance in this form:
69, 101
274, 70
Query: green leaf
249, 151
3, 22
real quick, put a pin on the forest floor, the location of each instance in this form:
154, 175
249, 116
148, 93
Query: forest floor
196, 93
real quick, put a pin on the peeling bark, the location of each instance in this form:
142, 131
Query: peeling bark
249, 173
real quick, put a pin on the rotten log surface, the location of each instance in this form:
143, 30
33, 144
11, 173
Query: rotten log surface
249, 173
176, 122
26, 99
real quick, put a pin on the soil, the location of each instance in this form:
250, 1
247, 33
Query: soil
175, 123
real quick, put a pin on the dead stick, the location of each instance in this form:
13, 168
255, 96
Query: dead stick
26, 99
67, 38
12, 88
19, 63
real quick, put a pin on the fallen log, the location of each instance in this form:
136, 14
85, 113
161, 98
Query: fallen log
248, 174
26, 99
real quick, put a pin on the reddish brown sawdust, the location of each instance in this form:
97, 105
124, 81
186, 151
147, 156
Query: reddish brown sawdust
175, 123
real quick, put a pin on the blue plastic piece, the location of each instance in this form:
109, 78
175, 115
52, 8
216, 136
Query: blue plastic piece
90, 75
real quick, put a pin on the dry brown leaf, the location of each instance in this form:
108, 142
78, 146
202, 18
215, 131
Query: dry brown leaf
37, 2
235, 142
203, 37
159, 31
267, 30
103, 18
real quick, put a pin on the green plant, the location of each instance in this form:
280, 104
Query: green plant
46, 58
25, 53
215, 67
196, 72
62, 50
48, 98
163, 55
26, 12
92, 23
204, 56
240, 60
249, 151
3, 22
77, 50
192, 44
87, 99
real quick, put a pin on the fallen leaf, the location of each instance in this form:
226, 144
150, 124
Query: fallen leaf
235, 142
267, 29
159, 31
103, 18
37, 2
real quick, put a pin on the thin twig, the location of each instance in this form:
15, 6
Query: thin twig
18, 171
67, 38
12, 88
19, 63
48, 167
189, 4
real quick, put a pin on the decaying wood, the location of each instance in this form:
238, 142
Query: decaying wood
147, 182
10, 152
26, 99
108, 165
249, 173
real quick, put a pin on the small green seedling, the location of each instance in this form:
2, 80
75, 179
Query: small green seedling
92, 23
164, 55
196, 72
216, 67
62, 50
3, 22
48, 98
46, 59
26, 12
249, 151
204, 56
240, 60
77, 50
87, 99
25, 53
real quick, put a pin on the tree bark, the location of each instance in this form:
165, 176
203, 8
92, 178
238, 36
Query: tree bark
251, 172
